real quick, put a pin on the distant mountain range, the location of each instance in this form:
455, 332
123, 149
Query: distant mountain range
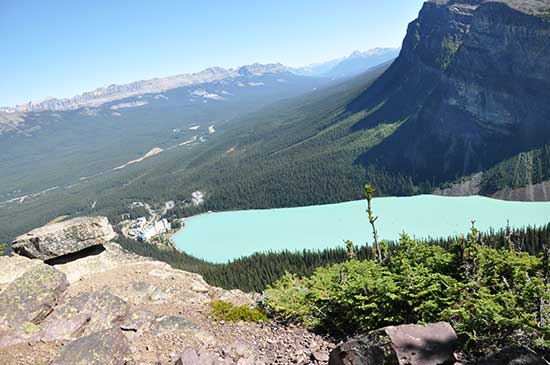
354, 64
114, 92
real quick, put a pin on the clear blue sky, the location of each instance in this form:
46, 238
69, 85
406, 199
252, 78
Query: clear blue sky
64, 47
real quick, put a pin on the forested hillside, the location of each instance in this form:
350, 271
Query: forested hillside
53, 149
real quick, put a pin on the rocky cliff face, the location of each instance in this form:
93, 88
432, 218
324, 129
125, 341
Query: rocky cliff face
472, 84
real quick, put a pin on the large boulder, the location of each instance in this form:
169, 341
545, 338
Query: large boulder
31, 297
430, 344
63, 238
109, 347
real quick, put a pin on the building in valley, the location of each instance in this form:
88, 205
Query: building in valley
154, 229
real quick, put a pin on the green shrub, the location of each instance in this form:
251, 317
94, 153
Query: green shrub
225, 311
4, 249
492, 297
287, 299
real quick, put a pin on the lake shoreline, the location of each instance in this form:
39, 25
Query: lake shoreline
223, 236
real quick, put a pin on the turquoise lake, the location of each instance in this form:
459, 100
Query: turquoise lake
219, 237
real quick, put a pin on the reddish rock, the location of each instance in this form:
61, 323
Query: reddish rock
430, 344
109, 347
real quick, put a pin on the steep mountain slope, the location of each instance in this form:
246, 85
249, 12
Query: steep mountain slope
468, 91
473, 81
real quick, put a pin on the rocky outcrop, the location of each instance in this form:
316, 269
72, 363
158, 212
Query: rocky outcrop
63, 238
466, 187
113, 307
431, 344
120, 308
472, 186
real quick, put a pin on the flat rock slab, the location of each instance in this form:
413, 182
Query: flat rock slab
31, 297
141, 292
76, 317
63, 238
85, 314
109, 347
430, 344
171, 324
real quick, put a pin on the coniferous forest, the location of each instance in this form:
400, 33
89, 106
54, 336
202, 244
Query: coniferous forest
256, 272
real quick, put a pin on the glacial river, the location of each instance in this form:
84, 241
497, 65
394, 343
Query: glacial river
219, 237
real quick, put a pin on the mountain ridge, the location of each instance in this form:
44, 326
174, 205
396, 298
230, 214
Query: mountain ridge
113, 92
355, 63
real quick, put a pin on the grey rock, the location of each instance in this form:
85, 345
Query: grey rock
513, 356
140, 292
430, 344
79, 316
137, 320
172, 324
249, 361
109, 347
63, 238
240, 348
31, 297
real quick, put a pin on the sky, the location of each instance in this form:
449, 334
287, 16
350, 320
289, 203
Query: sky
64, 47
